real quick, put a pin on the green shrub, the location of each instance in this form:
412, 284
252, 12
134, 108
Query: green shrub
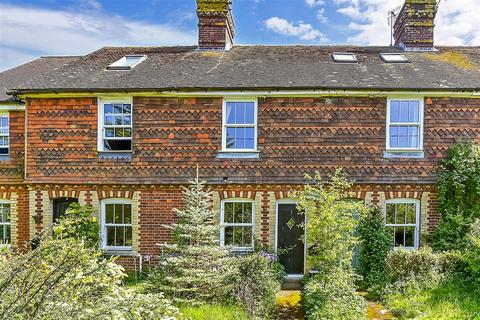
254, 283
332, 220
78, 223
64, 279
471, 255
332, 296
421, 268
375, 246
458, 196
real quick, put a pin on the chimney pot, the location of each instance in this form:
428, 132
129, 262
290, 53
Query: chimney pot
414, 27
216, 28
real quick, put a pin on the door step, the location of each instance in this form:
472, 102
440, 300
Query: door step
292, 284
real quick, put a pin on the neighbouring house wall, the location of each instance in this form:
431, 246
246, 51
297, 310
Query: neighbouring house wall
295, 135
12, 166
153, 208
17, 197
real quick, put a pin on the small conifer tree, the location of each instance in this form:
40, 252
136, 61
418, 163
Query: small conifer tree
190, 268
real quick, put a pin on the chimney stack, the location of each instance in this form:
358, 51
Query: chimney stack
215, 24
413, 29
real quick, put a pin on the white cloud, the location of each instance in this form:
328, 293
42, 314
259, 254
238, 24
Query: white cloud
314, 3
456, 22
303, 31
26, 32
321, 15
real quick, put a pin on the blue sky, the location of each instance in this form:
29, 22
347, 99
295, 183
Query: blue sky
64, 27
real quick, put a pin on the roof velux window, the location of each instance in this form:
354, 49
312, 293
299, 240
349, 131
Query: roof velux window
127, 62
393, 57
345, 57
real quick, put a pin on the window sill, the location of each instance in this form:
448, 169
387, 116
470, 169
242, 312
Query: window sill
238, 155
409, 154
115, 155
121, 253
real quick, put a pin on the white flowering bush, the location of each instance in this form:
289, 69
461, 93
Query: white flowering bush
64, 279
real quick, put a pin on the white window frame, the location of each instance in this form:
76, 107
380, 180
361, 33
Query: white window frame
119, 65
421, 104
3, 224
416, 240
6, 114
224, 124
101, 122
103, 230
223, 224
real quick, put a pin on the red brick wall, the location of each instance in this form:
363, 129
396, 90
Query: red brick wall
295, 135
11, 170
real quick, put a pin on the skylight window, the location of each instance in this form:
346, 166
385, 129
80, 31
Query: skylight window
344, 57
393, 57
127, 62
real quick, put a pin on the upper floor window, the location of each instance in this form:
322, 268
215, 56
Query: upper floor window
237, 221
5, 223
116, 224
405, 124
239, 125
4, 134
402, 218
115, 125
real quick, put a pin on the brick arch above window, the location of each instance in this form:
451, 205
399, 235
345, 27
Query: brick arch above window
405, 194
112, 193
237, 194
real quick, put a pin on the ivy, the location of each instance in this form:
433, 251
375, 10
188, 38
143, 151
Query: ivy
458, 195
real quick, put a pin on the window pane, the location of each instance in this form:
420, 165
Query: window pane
230, 116
404, 111
127, 132
111, 236
399, 236
413, 134
117, 120
120, 236
7, 237
118, 213
249, 113
390, 215
401, 210
127, 108
109, 213
409, 236
6, 213
127, 213
109, 133
239, 138
230, 138
228, 239
228, 212
118, 132
127, 120
108, 108
109, 120
238, 212
117, 108
413, 111
411, 214
128, 236
394, 137
394, 111
237, 236
240, 113
118, 145
247, 237
249, 138
247, 213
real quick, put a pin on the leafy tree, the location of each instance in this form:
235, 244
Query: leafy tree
331, 223
64, 279
375, 246
458, 196
78, 223
190, 269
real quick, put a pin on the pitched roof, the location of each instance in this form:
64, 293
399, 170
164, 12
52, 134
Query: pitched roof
265, 67
15, 77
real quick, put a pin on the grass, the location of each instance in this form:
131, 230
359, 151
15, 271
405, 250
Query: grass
213, 312
454, 299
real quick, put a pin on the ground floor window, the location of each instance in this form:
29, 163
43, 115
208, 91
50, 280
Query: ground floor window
117, 224
5, 223
402, 220
237, 220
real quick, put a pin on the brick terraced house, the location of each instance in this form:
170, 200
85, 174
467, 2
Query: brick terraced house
122, 129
